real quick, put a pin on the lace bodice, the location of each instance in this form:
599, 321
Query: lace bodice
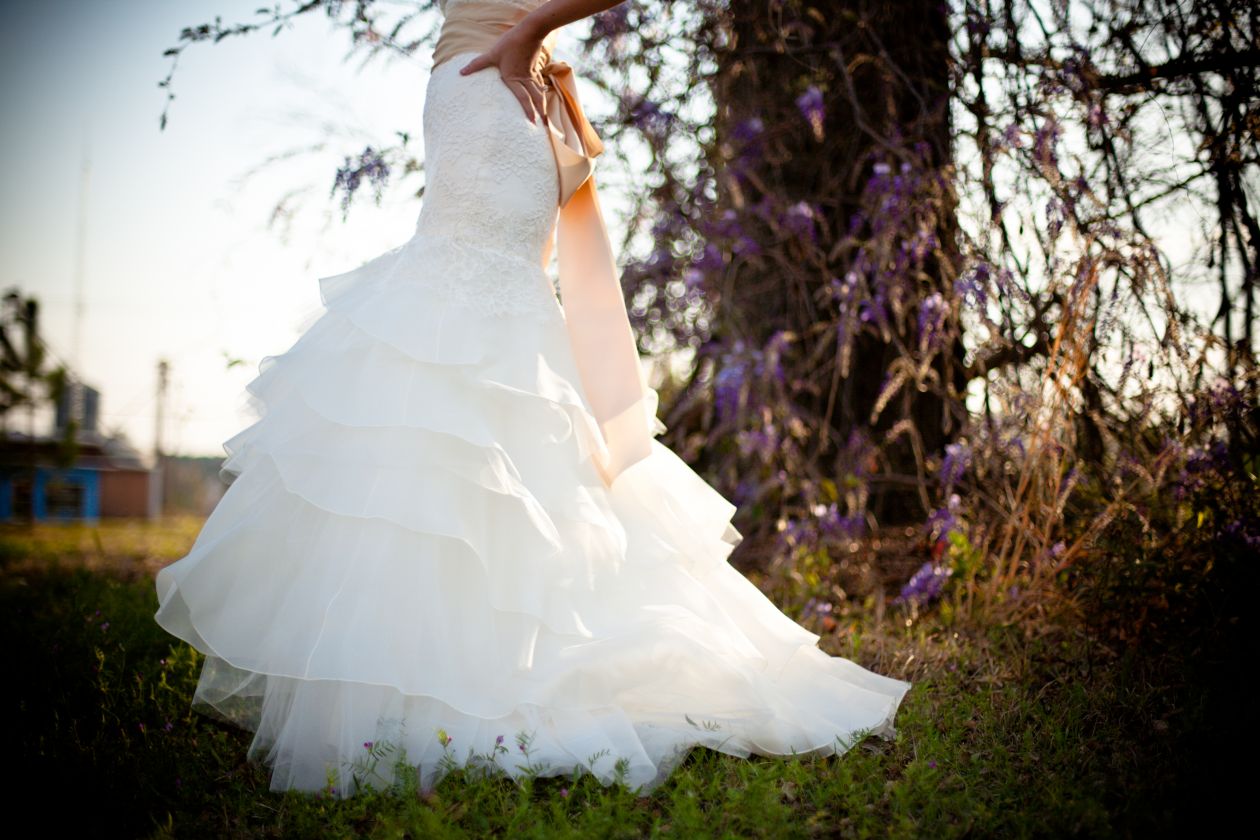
490, 188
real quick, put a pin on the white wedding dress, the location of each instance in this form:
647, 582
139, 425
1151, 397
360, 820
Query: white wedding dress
416, 551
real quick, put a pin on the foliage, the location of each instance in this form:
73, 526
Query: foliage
1177, 568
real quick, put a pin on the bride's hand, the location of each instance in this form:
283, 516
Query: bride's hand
516, 55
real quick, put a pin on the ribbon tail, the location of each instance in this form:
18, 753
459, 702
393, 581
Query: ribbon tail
599, 330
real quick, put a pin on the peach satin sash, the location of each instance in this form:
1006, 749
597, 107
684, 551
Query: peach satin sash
594, 307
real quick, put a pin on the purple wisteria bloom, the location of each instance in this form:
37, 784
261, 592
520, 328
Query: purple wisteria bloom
971, 287
810, 104
726, 226
772, 355
800, 220
650, 117
746, 246
932, 312
874, 310
747, 133
710, 259
727, 386
744, 492
816, 608
1011, 136
1045, 142
925, 586
833, 524
371, 165
611, 22
955, 463
944, 519
763, 442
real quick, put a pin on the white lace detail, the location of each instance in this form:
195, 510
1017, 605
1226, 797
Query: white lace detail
491, 185
486, 280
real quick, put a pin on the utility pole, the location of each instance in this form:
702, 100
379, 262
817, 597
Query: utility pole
80, 256
156, 474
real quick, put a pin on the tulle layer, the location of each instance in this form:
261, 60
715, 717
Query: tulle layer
415, 538
394, 348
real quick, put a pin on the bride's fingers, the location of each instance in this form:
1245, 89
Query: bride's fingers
524, 98
537, 95
538, 99
530, 93
474, 65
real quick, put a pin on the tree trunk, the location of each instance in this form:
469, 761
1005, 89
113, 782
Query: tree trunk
895, 93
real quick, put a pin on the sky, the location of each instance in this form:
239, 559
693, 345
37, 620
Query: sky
179, 262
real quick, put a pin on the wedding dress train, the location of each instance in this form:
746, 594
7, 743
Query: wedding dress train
417, 547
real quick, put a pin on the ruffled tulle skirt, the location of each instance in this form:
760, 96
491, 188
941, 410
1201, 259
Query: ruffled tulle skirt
417, 553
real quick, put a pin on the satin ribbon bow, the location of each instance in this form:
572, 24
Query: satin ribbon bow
590, 290
573, 138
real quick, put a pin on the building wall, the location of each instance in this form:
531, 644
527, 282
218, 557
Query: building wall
124, 492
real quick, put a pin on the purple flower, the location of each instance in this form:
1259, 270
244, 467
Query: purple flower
971, 286
832, 524
744, 492
746, 246
810, 104
370, 164
710, 259
611, 23
815, 608
1044, 142
1096, 116
498, 741
564, 793
367, 745
1010, 136
943, 520
925, 586
747, 133
932, 312
650, 117
727, 226
874, 309
729, 382
800, 220
773, 354
763, 442
955, 463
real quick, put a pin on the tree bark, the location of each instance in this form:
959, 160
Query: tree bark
884, 69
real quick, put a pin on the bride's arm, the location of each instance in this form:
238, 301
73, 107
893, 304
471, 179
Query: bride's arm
556, 13
516, 52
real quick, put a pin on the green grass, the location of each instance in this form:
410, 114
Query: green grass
1006, 733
